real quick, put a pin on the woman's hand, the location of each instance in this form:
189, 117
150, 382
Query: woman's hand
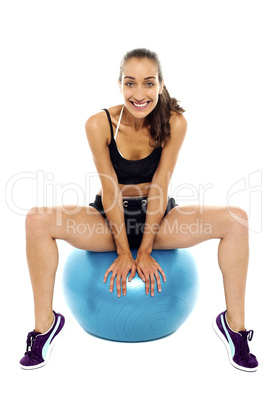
147, 269
120, 268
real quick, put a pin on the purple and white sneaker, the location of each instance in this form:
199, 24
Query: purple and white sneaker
236, 344
39, 346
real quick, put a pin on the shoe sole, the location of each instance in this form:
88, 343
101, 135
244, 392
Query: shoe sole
49, 351
226, 344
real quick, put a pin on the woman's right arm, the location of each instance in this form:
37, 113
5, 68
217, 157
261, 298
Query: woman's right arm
96, 127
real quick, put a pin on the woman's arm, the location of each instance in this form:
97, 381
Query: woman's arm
96, 127
112, 203
147, 267
158, 194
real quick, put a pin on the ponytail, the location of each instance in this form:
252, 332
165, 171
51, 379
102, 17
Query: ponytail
159, 118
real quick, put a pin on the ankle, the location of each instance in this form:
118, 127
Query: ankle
235, 325
43, 324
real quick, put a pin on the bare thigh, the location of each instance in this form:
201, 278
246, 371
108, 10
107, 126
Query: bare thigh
190, 225
82, 227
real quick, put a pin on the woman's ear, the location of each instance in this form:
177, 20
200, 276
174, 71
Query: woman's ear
120, 85
161, 87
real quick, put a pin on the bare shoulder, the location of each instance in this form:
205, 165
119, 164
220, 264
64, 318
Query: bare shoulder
97, 126
178, 127
98, 135
178, 123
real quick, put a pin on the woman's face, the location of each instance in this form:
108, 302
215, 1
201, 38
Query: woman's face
140, 86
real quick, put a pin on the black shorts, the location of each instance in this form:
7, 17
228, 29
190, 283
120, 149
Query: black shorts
134, 216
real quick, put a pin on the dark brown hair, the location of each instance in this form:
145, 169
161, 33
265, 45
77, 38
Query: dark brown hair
158, 119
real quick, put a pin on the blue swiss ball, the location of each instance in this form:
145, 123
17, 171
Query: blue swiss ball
137, 316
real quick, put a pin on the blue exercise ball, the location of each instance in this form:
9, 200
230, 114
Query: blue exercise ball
135, 317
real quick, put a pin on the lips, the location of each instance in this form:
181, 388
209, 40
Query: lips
140, 105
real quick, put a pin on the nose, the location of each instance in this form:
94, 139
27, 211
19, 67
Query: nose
138, 95
138, 99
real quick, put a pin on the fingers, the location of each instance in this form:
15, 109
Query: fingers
149, 274
112, 278
107, 274
140, 274
111, 284
162, 273
132, 274
118, 285
120, 279
121, 284
147, 284
158, 281
151, 278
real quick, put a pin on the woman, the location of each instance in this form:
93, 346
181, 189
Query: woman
133, 210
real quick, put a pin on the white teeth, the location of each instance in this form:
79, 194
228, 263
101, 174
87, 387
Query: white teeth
140, 104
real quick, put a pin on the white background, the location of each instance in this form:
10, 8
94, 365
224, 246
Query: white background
60, 64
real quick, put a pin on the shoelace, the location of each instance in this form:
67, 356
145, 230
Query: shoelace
246, 336
30, 339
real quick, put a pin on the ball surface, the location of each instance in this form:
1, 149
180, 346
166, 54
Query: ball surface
136, 317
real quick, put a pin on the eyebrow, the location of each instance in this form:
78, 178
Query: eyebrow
132, 78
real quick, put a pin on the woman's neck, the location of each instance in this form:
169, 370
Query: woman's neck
129, 119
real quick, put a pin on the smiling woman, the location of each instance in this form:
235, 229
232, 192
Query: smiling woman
134, 210
146, 92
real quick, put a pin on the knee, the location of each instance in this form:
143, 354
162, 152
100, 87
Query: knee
239, 218
35, 219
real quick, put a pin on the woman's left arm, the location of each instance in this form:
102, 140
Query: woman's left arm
147, 267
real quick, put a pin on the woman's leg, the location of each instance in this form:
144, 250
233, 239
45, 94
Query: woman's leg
187, 226
85, 229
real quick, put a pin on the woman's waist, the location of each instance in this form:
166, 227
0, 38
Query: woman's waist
131, 201
134, 191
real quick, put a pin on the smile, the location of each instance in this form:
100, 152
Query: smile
140, 106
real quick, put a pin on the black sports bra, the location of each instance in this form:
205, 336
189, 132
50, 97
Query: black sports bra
132, 171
